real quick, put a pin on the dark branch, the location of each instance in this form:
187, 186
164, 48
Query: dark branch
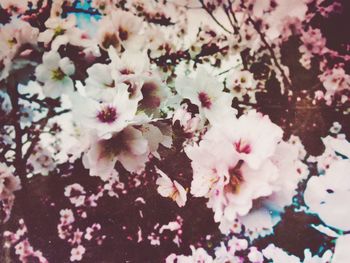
214, 18
272, 53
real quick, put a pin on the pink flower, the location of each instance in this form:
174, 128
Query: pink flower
207, 93
8, 182
67, 216
76, 194
77, 253
106, 118
171, 189
129, 147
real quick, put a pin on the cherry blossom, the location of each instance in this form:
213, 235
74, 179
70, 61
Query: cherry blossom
55, 74
61, 32
8, 182
119, 30
77, 253
198, 255
240, 82
330, 190
106, 117
13, 36
128, 147
206, 92
250, 168
171, 189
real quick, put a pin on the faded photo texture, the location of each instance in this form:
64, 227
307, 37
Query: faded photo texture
175, 131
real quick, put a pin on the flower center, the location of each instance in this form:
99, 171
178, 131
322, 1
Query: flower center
174, 195
126, 71
12, 42
58, 31
242, 147
204, 99
58, 74
108, 114
236, 178
123, 34
237, 89
110, 40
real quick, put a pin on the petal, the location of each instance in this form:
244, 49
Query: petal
51, 59
67, 66
42, 73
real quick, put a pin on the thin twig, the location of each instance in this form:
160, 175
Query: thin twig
214, 18
19, 163
42, 123
234, 27
272, 53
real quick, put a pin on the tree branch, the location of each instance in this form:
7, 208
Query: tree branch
42, 123
214, 18
272, 53
19, 163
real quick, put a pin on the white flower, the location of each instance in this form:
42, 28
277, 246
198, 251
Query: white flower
335, 80
158, 42
309, 258
227, 253
66, 216
266, 211
277, 255
206, 92
332, 146
255, 256
41, 161
119, 29
236, 44
5, 103
239, 82
8, 182
75, 193
77, 253
13, 36
129, 147
190, 125
62, 31
131, 68
54, 73
245, 171
106, 117
198, 255
171, 189
16, 7
100, 84
246, 185
329, 195
291, 172
129, 65
339, 145
254, 138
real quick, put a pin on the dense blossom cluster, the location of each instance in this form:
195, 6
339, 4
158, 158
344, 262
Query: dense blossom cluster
246, 173
191, 131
